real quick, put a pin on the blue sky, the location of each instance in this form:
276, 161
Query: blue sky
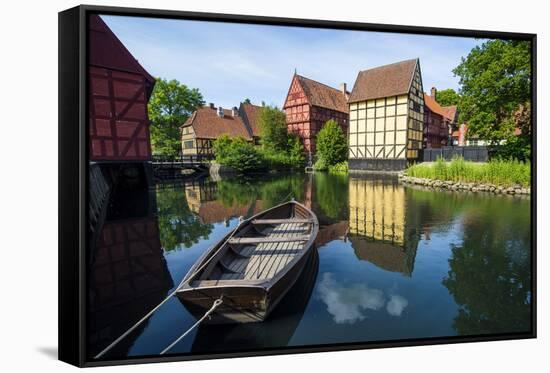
231, 62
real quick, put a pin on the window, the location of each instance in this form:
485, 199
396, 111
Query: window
188, 144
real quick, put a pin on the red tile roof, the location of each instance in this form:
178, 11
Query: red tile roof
322, 95
383, 81
250, 114
449, 112
433, 105
207, 124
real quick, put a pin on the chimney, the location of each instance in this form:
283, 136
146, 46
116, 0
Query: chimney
211, 105
433, 92
235, 111
344, 88
220, 111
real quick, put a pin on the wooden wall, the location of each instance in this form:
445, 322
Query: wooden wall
119, 124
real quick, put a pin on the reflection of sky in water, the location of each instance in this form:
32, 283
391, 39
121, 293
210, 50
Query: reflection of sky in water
424, 283
348, 303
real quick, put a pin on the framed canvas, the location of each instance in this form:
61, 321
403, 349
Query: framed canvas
238, 185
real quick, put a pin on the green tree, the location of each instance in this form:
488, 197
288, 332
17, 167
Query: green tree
170, 105
295, 150
273, 130
447, 97
495, 81
331, 142
247, 101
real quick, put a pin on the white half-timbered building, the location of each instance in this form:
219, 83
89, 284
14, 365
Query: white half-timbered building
386, 109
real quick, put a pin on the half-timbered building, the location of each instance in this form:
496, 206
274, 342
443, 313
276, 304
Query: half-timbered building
119, 90
436, 124
309, 105
386, 117
208, 123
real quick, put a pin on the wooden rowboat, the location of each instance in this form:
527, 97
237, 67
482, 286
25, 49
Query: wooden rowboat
253, 266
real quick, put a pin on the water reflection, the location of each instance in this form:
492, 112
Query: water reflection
383, 230
128, 276
489, 271
393, 262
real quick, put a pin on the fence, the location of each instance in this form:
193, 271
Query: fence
469, 153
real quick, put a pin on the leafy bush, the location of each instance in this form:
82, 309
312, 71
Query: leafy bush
295, 151
221, 147
320, 165
238, 154
497, 172
331, 144
339, 168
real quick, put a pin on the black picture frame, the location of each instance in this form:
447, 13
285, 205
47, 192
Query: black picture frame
73, 178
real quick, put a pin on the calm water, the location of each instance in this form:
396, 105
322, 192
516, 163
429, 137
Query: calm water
392, 262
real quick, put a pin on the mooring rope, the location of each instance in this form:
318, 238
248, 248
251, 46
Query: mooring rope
215, 305
183, 282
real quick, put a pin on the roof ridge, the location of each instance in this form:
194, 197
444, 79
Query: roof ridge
389, 64
315, 81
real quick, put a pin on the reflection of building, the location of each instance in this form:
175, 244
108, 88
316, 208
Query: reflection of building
386, 115
127, 278
208, 123
202, 200
380, 227
332, 232
309, 104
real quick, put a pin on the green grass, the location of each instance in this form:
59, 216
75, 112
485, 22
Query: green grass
496, 172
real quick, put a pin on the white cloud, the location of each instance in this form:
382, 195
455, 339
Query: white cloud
396, 305
229, 62
347, 303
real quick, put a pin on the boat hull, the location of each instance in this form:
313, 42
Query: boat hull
263, 264
241, 303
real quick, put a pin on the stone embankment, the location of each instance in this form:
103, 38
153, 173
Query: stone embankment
463, 186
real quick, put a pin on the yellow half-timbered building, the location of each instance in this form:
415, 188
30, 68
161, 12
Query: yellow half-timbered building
386, 109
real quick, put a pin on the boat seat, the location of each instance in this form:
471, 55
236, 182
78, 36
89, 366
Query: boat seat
258, 240
282, 221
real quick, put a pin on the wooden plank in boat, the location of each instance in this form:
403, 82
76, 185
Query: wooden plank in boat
274, 252
284, 249
286, 256
242, 265
254, 270
253, 240
281, 221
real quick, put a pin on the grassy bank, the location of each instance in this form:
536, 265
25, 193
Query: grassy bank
496, 172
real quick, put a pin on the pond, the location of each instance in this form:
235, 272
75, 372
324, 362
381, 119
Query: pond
391, 262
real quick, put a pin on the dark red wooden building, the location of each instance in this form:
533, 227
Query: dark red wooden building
309, 104
119, 89
436, 124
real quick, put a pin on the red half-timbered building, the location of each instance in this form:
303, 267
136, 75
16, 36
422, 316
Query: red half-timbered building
119, 89
436, 126
309, 104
